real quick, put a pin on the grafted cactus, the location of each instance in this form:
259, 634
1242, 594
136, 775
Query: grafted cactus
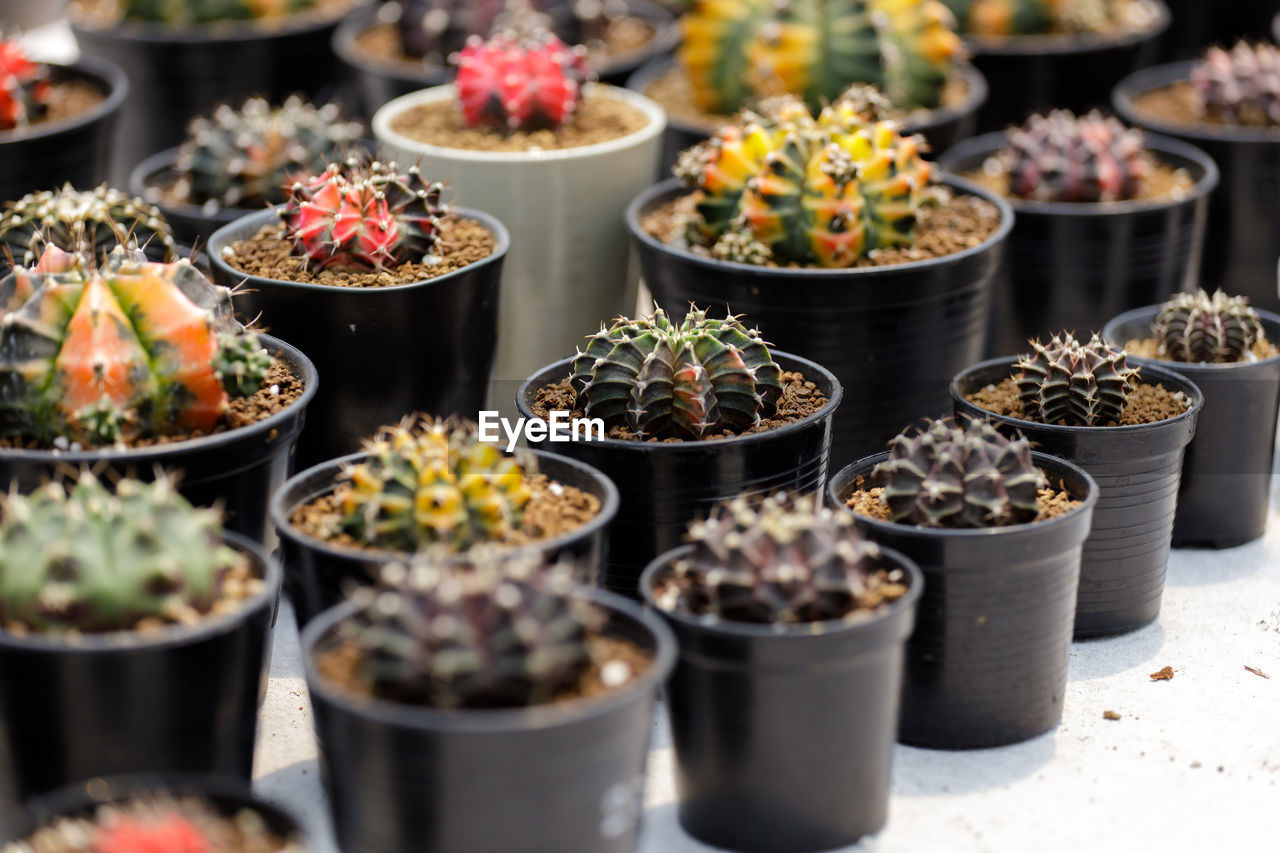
1197, 327
1031, 17
1076, 384
185, 12
1240, 86
945, 474
93, 220
683, 381
24, 87
519, 81
1064, 157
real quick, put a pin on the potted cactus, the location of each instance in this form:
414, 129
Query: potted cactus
1056, 54
136, 365
170, 614
237, 160
1196, 23
1224, 103
521, 132
692, 413
363, 260
734, 54
56, 121
1227, 348
1128, 428
1108, 218
432, 486
828, 232
784, 702
183, 59
997, 531
449, 680
404, 45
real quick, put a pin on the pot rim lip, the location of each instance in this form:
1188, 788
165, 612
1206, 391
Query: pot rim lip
1145, 80
1162, 374
494, 720
808, 368
672, 187
1059, 44
223, 237
170, 636
217, 32
380, 125
1175, 366
1043, 460
988, 144
280, 514
977, 95
94, 68
798, 632
165, 453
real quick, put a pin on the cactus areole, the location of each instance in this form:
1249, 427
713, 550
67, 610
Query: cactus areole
1067, 382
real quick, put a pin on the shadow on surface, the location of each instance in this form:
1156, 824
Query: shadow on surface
1099, 658
941, 772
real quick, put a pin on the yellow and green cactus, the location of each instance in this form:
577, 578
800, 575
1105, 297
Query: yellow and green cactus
1031, 17
737, 50
185, 12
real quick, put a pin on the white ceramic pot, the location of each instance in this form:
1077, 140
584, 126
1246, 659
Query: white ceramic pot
569, 266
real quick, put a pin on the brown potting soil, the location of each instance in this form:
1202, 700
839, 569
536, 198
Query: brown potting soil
1163, 182
554, 509
270, 254
599, 118
104, 14
68, 99
1162, 674
1147, 404
956, 222
800, 399
615, 663
1150, 348
673, 92
279, 390
866, 500
1175, 104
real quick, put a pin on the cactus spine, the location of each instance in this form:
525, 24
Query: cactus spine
91, 220
1199, 328
1075, 384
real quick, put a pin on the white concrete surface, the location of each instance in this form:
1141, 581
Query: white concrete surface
1193, 764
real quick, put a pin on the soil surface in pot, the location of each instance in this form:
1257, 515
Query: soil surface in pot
800, 399
1175, 104
270, 254
599, 118
69, 96
866, 501
1147, 404
554, 509
1163, 183
279, 390
955, 222
1150, 348
105, 14
673, 92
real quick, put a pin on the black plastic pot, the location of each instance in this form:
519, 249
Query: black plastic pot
1068, 71
376, 83
663, 486
319, 575
1226, 478
181, 72
784, 735
1197, 24
184, 700
560, 777
894, 336
383, 351
941, 128
76, 150
1074, 266
238, 469
1137, 469
191, 224
1243, 239
987, 662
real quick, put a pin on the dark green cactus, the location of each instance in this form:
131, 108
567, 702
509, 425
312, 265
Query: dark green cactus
1197, 327
1075, 384
945, 474
664, 380
93, 220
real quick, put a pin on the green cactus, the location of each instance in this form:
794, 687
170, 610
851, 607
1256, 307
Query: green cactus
1076, 384
1033, 17
501, 632
945, 474
93, 220
669, 381
1197, 327
187, 12
79, 556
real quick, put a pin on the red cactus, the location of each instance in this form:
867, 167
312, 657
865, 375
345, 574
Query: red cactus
165, 834
24, 87
364, 216
519, 83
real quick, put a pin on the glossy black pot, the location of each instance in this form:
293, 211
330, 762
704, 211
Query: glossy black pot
662, 486
183, 700
893, 335
1137, 469
383, 351
1197, 24
987, 662
784, 735
1074, 266
1226, 478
